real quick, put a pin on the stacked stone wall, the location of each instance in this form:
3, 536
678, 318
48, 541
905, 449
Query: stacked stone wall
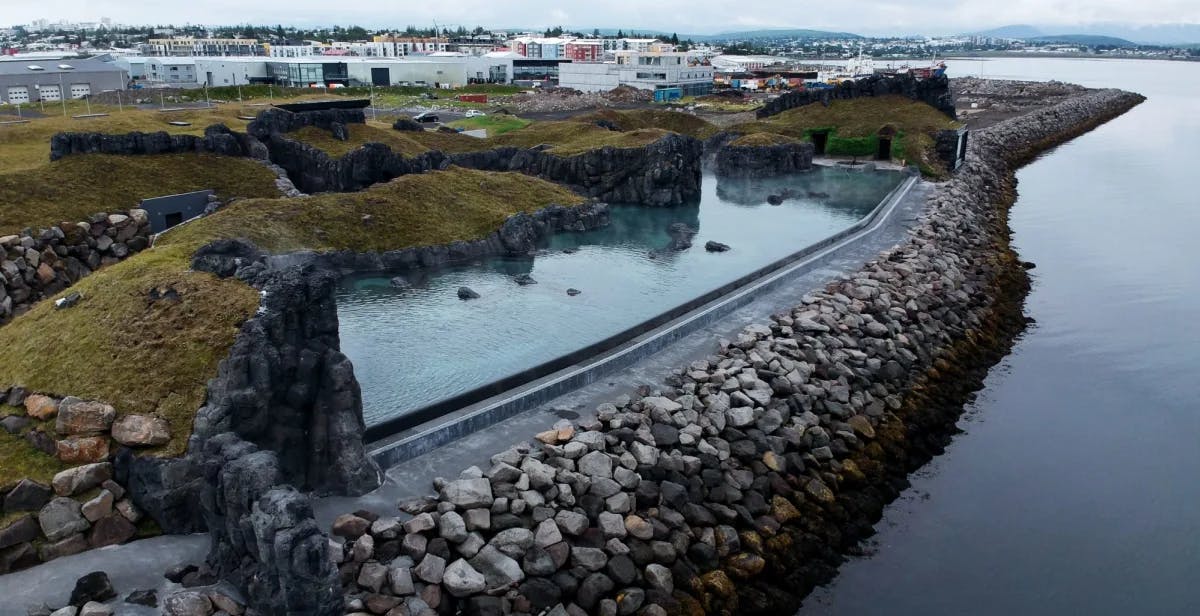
934, 91
36, 264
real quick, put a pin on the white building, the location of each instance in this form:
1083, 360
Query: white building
651, 70
309, 48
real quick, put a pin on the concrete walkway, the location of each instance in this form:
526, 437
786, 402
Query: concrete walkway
140, 565
414, 477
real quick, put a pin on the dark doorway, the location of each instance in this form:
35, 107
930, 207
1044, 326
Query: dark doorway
380, 77
884, 152
172, 219
820, 140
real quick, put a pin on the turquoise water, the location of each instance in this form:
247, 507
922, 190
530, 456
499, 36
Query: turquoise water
417, 346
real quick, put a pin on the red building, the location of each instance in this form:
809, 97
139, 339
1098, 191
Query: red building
584, 51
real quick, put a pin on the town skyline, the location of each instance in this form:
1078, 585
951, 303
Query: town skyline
702, 17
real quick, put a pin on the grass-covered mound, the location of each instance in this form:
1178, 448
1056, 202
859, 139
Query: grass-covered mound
413, 210
673, 121
146, 356
853, 126
401, 142
565, 138
74, 188
117, 345
27, 146
763, 139
495, 124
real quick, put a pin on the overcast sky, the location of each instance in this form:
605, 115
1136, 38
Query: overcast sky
683, 16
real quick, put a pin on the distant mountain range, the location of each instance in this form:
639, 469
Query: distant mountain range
1103, 34
747, 35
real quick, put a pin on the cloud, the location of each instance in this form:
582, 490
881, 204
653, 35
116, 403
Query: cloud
691, 16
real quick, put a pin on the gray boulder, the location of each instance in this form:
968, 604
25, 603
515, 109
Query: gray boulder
461, 579
61, 518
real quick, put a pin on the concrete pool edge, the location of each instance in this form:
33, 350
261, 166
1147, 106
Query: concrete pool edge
631, 345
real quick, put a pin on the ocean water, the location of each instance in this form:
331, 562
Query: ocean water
1075, 488
417, 346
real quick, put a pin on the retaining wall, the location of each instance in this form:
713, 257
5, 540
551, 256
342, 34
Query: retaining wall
934, 91
38, 264
763, 160
666, 172
217, 139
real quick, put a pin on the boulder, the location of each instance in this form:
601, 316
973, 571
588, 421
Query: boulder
82, 449
498, 570
94, 608
60, 518
712, 246
187, 603
148, 598
224, 603
81, 478
461, 579
82, 417
99, 506
14, 424
24, 530
28, 495
141, 431
350, 526
431, 569
467, 293
94, 586
468, 493
71, 545
41, 407
114, 529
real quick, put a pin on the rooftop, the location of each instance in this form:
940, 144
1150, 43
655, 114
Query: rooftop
52, 67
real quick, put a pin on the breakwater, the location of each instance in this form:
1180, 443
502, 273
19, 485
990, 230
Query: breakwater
735, 488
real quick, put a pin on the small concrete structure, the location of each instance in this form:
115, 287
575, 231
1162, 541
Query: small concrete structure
171, 210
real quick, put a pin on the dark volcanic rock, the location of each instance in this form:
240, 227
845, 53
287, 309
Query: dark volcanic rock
712, 246
763, 160
92, 587
467, 293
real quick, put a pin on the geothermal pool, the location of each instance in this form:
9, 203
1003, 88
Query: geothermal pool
419, 346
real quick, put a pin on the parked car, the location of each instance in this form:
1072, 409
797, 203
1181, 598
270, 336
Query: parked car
426, 117
475, 113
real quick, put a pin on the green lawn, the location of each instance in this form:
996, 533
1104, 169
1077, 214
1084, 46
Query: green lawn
494, 124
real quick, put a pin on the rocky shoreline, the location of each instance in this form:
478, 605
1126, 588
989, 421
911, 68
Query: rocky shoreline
737, 486
733, 489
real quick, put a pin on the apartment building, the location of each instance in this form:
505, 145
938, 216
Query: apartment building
645, 70
188, 46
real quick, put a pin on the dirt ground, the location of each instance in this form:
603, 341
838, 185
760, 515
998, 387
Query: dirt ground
984, 102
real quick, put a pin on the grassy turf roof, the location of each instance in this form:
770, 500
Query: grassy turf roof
74, 188
566, 138
156, 357
857, 121
763, 139
673, 121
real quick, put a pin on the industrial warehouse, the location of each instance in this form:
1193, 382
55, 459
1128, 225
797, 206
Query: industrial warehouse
23, 81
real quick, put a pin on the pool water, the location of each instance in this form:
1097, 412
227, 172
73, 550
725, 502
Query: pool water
416, 346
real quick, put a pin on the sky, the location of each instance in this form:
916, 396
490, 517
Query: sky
682, 16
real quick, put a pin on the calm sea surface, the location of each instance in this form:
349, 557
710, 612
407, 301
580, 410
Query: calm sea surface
1076, 487
417, 346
